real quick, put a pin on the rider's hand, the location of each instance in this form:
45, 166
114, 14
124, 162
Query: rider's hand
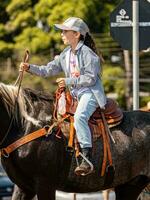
61, 82
24, 66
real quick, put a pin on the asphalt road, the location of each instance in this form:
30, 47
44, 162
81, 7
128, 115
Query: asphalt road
87, 196
71, 196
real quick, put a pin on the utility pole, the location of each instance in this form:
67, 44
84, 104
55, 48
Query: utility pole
128, 72
135, 54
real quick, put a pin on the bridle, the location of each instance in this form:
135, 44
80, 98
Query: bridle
18, 82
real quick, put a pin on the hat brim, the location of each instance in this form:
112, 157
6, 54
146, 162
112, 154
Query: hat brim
61, 27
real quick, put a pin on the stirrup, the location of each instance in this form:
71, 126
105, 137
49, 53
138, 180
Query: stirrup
91, 170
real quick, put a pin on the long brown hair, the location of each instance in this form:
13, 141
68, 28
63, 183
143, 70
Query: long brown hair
88, 41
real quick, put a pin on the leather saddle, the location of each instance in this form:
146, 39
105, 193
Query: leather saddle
113, 114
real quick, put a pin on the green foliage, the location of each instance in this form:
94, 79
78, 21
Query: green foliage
94, 12
3, 5
47, 7
17, 6
68, 10
33, 39
144, 101
112, 79
114, 83
24, 19
2, 30
22, 16
100, 10
6, 49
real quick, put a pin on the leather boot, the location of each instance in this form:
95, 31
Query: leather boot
85, 167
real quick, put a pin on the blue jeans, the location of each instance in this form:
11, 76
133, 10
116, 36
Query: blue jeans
87, 104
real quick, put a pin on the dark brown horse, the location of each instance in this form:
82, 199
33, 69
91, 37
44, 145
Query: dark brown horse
42, 166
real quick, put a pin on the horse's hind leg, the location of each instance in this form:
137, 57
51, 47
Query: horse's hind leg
132, 189
19, 194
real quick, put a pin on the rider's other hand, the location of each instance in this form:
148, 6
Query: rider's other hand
61, 82
24, 66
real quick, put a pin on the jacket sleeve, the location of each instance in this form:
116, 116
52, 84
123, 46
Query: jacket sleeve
51, 69
88, 72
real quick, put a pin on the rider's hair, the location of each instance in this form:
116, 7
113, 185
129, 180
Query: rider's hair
88, 41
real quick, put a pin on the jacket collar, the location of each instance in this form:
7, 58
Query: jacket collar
79, 45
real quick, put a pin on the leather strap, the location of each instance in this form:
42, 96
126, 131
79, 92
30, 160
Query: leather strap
106, 148
72, 132
32, 136
57, 96
26, 139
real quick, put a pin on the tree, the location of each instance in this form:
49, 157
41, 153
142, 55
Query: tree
3, 5
114, 83
21, 17
34, 39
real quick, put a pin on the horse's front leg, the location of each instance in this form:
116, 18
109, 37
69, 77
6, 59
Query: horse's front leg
45, 189
19, 194
47, 193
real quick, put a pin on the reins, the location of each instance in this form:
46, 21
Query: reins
21, 72
19, 82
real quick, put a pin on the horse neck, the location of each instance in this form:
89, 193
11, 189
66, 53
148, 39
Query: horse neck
31, 111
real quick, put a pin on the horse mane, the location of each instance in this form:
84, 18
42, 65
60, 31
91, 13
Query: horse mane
8, 93
38, 95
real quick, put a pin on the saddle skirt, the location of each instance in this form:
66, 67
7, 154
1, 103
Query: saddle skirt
113, 115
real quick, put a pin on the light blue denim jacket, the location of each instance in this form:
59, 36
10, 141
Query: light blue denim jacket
89, 67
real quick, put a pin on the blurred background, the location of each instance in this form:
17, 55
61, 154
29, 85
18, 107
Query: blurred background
28, 25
